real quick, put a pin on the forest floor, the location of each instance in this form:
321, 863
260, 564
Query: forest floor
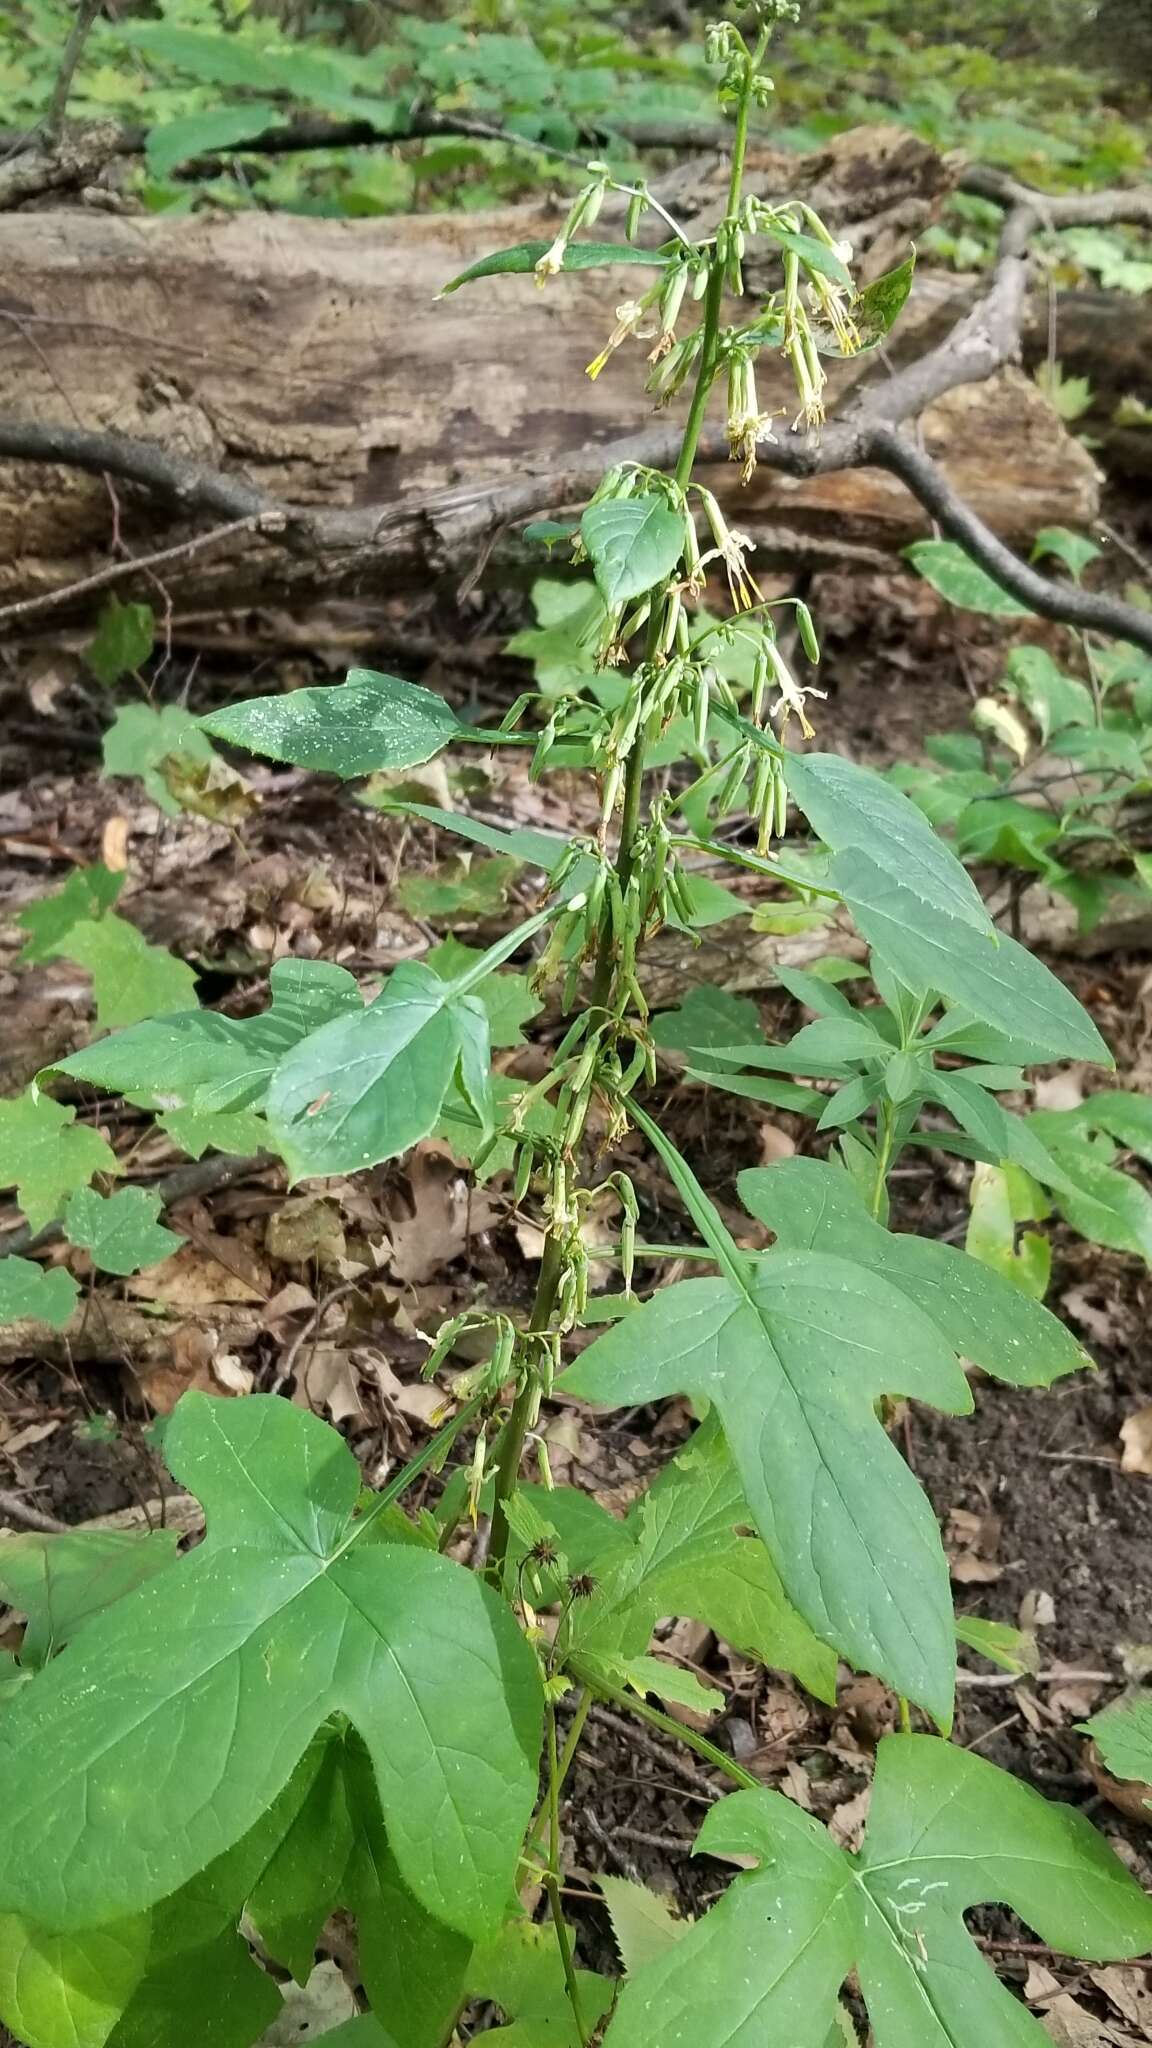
323, 1293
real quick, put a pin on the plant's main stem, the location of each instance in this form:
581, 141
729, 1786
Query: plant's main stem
516, 1429
511, 1449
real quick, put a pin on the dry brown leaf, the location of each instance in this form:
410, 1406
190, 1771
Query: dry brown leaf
1071, 2025
797, 1785
304, 1228
1100, 1323
327, 1379
1129, 1796
866, 1711
687, 1641
1041, 1984
35, 1433
46, 677
416, 1400
214, 1269
1037, 1610
1136, 1437
783, 1718
195, 1359
114, 844
774, 1144
971, 1542
293, 1299
1076, 1700
1127, 1988
846, 1825
441, 1218
1064, 1090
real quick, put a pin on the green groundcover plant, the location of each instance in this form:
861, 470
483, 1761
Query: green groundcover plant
201, 1757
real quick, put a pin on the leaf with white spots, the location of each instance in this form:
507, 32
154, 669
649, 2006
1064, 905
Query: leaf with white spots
946, 1831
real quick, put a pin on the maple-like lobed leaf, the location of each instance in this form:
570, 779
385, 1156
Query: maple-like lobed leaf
946, 1831
160, 1737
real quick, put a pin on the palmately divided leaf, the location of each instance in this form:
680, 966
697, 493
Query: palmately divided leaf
120, 1232
992, 978
197, 1131
946, 1831
632, 543
1123, 1735
366, 723
140, 737
159, 1738
369, 1085
793, 1352
46, 1155
813, 1206
520, 1971
856, 813
46, 1294
69, 1990
518, 261
202, 1061
124, 1984
87, 895
131, 980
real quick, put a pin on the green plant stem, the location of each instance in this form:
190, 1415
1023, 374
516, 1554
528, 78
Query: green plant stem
883, 1159
571, 1744
633, 1704
412, 1470
516, 1427
743, 112
552, 1880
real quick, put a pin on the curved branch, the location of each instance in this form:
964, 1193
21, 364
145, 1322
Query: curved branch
1130, 206
437, 528
1063, 602
138, 462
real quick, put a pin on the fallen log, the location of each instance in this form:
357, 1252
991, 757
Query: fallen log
310, 362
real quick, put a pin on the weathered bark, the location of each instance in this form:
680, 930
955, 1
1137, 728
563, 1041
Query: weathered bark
312, 358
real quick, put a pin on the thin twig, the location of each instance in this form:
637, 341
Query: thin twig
996, 1681
82, 25
17, 1509
308, 1329
46, 600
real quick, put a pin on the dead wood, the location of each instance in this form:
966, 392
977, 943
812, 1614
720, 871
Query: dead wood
299, 375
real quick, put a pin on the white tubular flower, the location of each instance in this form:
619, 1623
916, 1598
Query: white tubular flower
629, 320
790, 702
747, 425
829, 303
731, 550
552, 260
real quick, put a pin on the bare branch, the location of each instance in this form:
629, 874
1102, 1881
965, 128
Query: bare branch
1130, 206
47, 600
140, 462
1063, 602
86, 12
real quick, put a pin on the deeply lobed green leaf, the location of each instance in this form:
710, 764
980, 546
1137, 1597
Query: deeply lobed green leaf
159, 1738
946, 1831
